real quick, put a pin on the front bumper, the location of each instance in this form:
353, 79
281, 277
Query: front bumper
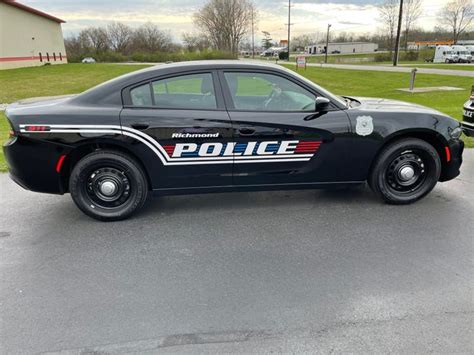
32, 164
468, 119
452, 167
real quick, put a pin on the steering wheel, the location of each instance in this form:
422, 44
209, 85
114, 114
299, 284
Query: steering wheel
275, 94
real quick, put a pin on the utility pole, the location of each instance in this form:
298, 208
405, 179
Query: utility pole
289, 27
327, 45
253, 33
399, 31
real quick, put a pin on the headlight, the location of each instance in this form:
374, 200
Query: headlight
455, 133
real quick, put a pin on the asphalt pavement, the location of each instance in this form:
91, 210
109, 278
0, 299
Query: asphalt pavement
305, 271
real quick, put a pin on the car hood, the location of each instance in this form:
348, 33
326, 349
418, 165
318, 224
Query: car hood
385, 105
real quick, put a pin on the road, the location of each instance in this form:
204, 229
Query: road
301, 271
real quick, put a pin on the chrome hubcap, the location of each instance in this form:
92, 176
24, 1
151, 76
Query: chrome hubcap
108, 187
406, 173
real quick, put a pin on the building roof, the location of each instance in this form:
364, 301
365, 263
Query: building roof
31, 10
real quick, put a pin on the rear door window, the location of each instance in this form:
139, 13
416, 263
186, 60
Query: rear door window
191, 91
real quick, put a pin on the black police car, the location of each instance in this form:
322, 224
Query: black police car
219, 126
468, 116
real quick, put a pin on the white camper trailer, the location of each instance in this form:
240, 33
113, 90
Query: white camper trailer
445, 54
463, 54
470, 49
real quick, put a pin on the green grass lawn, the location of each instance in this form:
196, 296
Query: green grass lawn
23, 83
385, 85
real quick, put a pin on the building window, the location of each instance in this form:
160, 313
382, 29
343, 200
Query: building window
47, 56
54, 56
60, 56
41, 57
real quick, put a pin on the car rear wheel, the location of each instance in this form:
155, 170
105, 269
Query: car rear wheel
108, 185
405, 171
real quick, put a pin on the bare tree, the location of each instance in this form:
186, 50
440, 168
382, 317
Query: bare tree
119, 35
302, 41
149, 38
412, 12
458, 16
389, 18
225, 22
195, 42
97, 36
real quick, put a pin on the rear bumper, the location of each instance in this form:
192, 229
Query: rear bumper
452, 168
32, 164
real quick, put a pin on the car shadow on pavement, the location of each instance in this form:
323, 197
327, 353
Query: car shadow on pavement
238, 201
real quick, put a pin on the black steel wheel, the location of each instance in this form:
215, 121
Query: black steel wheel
405, 171
108, 185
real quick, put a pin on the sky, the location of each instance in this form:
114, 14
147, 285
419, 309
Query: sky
175, 16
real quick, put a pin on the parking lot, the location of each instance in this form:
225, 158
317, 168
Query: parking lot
248, 272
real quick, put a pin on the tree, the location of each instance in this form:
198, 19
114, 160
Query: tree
195, 42
267, 40
457, 15
389, 18
98, 38
225, 22
412, 11
148, 38
119, 35
302, 41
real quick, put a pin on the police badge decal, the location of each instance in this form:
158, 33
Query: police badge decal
364, 126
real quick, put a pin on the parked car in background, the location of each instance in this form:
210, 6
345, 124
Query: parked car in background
464, 56
445, 54
468, 116
88, 60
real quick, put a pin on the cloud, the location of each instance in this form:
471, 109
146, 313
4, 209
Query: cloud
308, 16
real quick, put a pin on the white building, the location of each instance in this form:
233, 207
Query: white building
29, 37
343, 48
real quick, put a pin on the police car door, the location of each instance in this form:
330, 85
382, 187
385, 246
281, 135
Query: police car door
279, 138
183, 125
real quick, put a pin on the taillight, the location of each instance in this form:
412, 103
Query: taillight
37, 128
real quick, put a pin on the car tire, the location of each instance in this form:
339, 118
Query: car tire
405, 171
108, 185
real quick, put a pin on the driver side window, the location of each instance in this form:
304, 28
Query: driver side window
267, 92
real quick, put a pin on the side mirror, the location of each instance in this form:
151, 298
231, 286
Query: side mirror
322, 104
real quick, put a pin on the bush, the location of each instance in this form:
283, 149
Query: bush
156, 57
111, 57
410, 56
180, 56
383, 57
283, 55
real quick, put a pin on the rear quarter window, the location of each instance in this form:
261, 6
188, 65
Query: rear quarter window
141, 96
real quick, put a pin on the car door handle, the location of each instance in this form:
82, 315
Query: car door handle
246, 131
140, 125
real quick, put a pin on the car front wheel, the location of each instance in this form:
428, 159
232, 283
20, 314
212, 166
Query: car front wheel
405, 171
108, 185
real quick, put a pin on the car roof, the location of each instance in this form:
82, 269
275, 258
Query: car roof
101, 93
